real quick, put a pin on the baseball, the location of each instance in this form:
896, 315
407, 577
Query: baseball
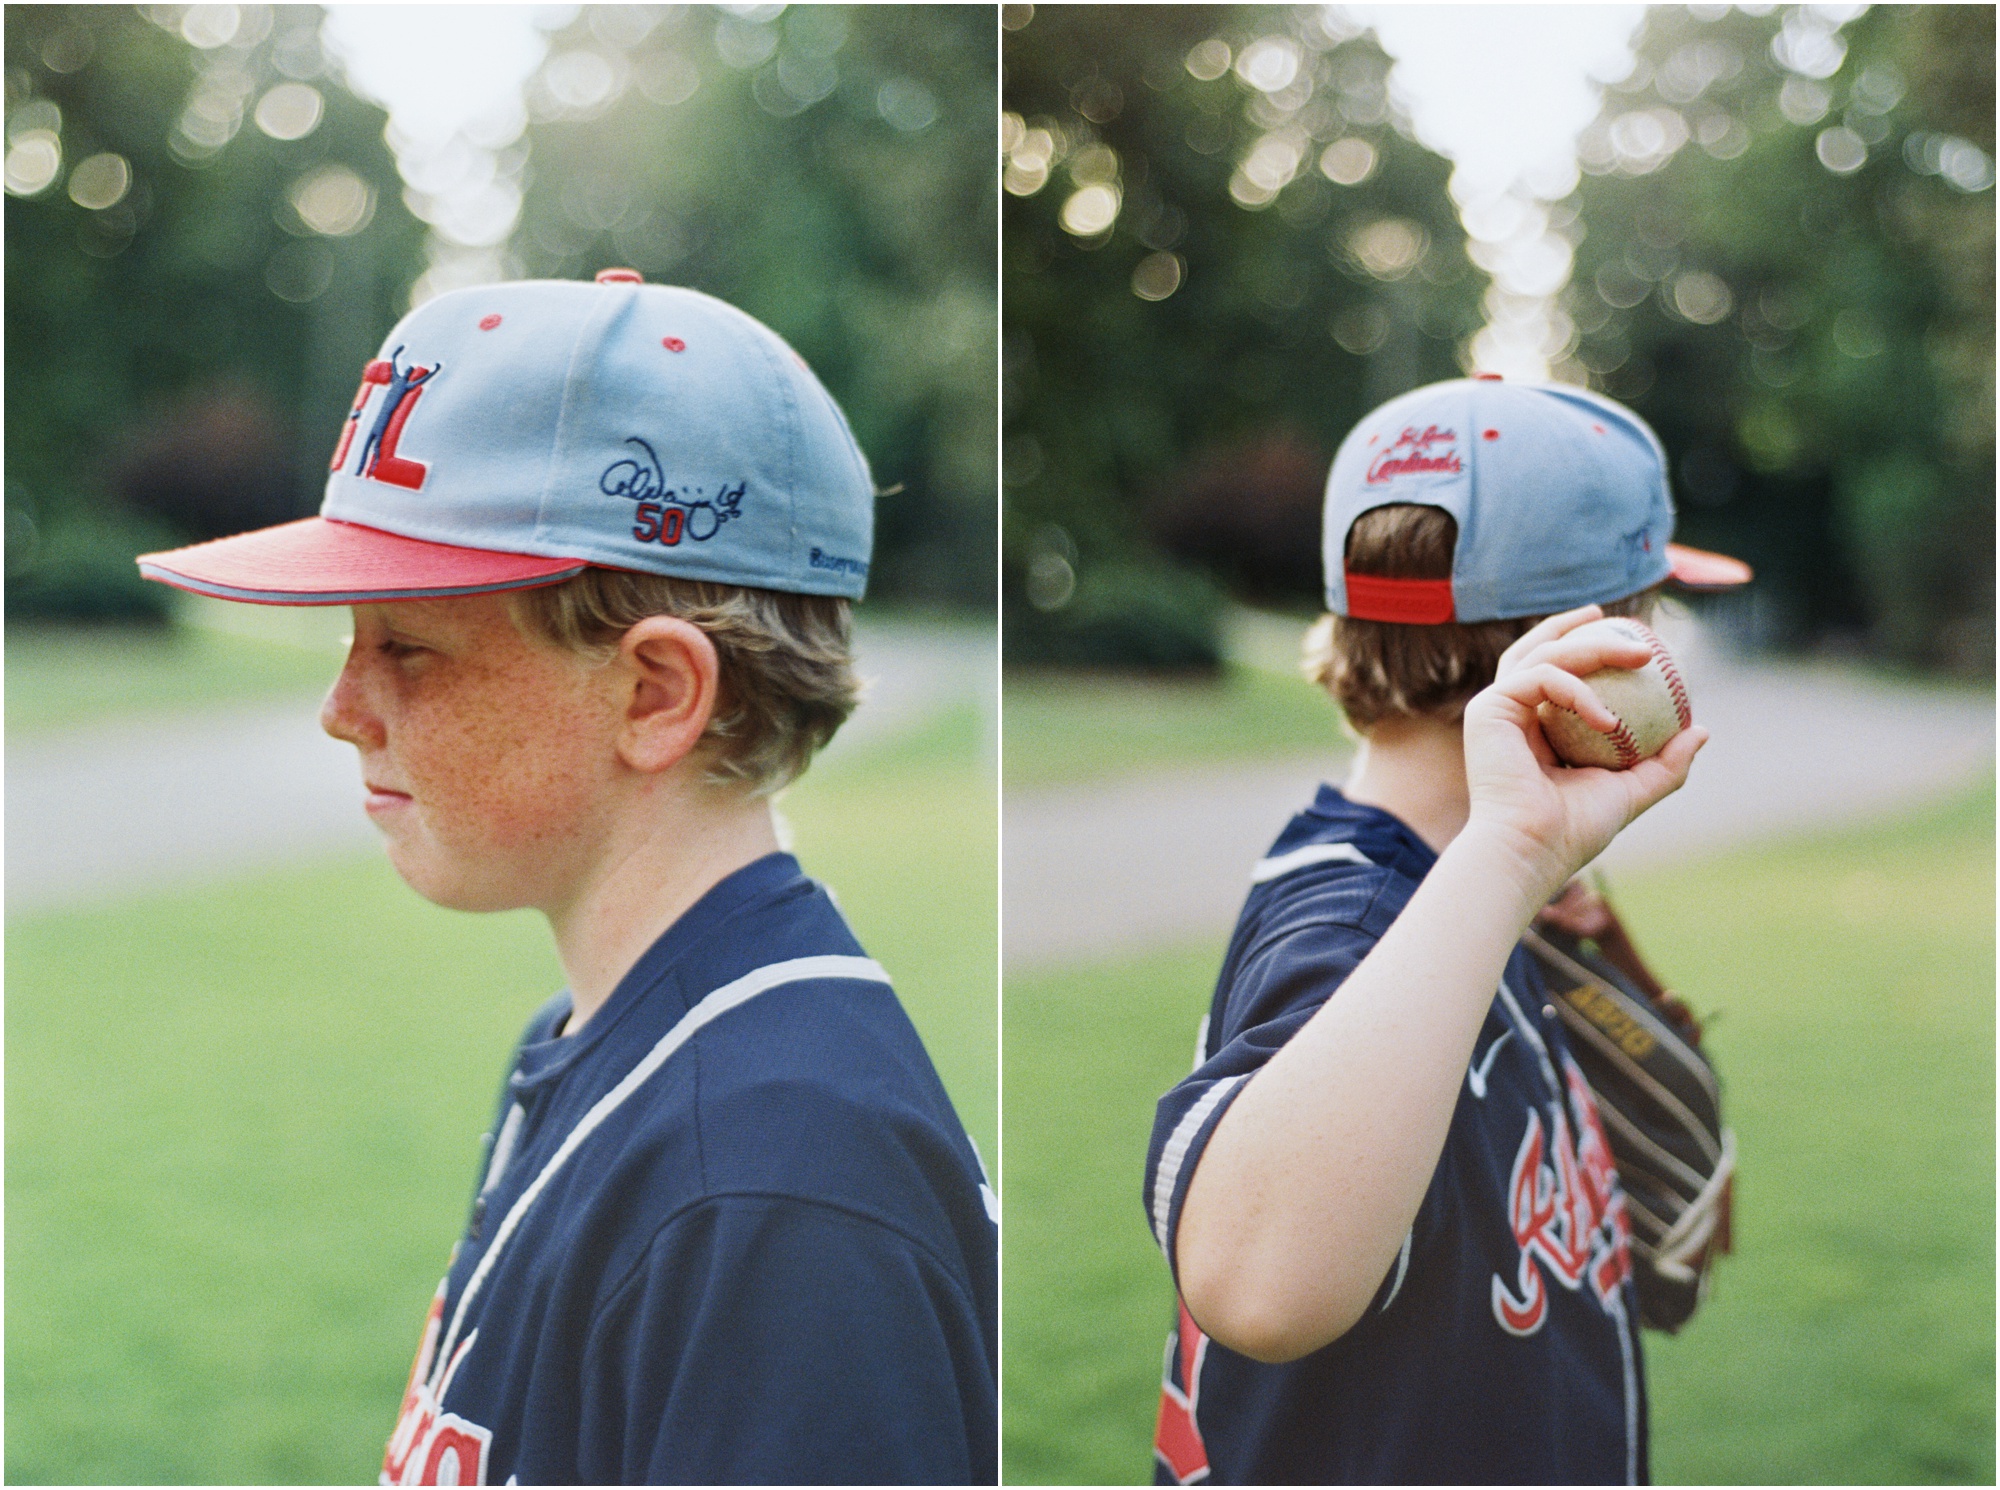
1650, 702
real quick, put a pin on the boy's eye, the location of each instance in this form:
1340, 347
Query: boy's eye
390, 647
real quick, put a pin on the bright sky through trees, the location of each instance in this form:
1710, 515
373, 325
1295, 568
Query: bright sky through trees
451, 77
1503, 91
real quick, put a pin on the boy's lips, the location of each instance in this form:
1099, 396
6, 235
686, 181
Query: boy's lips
384, 799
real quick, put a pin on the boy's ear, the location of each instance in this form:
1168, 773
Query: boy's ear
670, 685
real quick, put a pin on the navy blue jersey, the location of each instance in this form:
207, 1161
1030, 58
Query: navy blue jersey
731, 1231
1502, 1344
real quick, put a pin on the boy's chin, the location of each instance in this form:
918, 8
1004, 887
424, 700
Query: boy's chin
453, 887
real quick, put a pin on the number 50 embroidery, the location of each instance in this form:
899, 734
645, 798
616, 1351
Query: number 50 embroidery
657, 524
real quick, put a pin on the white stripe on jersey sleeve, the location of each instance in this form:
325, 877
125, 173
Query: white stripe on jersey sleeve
1175, 1153
1303, 858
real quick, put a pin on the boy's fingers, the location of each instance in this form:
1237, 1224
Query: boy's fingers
1543, 682
1548, 631
1589, 654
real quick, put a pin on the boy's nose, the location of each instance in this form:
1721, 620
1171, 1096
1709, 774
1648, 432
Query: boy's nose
346, 717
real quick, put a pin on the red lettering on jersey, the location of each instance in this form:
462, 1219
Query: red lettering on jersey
457, 1454
413, 1419
1566, 1211
1610, 1264
429, 1447
1177, 1441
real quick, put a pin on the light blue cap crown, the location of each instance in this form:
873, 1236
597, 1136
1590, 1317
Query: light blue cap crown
634, 426
1560, 495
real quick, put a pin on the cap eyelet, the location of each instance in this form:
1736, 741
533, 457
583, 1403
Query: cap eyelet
487, 323
673, 344
1492, 434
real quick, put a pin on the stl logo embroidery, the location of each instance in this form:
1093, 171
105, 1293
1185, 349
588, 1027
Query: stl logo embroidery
430, 1447
1567, 1213
666, 515
1416, 456
379, 461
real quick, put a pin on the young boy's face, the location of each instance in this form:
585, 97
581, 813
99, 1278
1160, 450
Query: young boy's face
487, 758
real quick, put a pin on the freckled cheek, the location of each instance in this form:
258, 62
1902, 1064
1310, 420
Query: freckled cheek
502, 775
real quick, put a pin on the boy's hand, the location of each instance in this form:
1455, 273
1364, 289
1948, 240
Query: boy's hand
1554, 818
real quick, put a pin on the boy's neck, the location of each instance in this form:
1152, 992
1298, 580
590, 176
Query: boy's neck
648, 881
1414, 769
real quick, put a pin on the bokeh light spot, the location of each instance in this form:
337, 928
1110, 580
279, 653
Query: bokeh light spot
1389, 248
1347, 162
1208, 60
906, 105
1269, 64
34, 160
333, 201
1841, 150
290, 111
1157, 276
211, 26
100, 182
1090, 211
1702, 297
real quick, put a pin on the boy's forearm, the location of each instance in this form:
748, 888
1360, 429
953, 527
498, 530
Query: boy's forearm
1314, 1175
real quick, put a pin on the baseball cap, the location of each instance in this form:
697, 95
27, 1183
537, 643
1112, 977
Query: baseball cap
1560, 496
511, 435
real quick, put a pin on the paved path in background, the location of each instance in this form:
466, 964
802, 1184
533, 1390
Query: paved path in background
161, 801
1117, 867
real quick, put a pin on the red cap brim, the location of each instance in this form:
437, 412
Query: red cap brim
1698, 569
318, 561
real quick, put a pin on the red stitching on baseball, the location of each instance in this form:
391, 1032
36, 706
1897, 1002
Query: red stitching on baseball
1668, 670
1628, 748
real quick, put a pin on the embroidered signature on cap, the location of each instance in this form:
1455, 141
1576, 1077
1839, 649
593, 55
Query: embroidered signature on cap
666, 515
1417, 455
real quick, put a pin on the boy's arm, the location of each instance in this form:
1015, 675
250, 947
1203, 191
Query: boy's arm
1315, 1173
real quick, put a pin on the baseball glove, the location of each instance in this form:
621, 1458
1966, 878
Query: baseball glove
1640, 1050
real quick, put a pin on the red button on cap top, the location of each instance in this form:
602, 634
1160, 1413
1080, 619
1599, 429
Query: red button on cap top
1481, 377
620, 277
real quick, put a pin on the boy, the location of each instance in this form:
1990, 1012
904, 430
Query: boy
1388, 1204
600, 542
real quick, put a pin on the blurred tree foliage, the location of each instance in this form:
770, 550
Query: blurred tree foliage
1788, 269
1221, 246
205, 242
830, 170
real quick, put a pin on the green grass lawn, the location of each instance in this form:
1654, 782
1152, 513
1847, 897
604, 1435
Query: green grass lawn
1131, 723
1849, 1340
243, 1123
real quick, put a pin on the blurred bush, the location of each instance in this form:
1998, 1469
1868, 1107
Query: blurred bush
205, 242
1221, 247
829, 169
1789, 271
1148, 617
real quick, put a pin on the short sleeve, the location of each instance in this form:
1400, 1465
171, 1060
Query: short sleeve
1266, 998
779, 1341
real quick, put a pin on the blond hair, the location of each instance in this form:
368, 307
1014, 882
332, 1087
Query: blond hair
787, 666
1378, 669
